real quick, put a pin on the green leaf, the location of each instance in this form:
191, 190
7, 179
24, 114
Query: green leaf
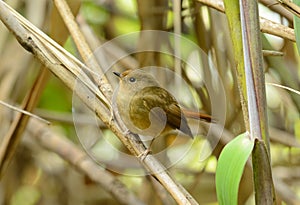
297, 27
230, 168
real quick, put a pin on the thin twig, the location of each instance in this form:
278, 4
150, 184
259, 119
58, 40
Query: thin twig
284, 87
272, 53
24, 112
289, 5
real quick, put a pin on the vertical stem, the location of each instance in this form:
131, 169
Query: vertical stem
233, 16
254, 70
263, 182
177, 42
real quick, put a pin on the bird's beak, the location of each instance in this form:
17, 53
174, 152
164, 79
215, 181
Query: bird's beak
117, 74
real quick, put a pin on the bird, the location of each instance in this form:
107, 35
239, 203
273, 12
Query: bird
146, 108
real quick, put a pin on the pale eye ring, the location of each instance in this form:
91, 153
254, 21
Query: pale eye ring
132, 79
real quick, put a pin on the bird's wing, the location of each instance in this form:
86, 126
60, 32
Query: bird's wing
152, 97
177, 119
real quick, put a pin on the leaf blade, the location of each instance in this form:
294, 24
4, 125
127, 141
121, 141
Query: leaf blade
230, 168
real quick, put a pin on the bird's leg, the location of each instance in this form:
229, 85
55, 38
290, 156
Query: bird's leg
127, 132
144, 154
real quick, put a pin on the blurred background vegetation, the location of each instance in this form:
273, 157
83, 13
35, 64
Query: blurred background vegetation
39, 175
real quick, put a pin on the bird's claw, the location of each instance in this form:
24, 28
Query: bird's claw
144, 154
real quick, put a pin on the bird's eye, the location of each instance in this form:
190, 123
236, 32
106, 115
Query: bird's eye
132, 79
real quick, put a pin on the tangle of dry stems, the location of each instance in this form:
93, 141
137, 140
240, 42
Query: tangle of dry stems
68, 69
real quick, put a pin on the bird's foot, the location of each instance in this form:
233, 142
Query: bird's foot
127, 132
144, 154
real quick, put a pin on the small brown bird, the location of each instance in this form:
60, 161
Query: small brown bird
146, 108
